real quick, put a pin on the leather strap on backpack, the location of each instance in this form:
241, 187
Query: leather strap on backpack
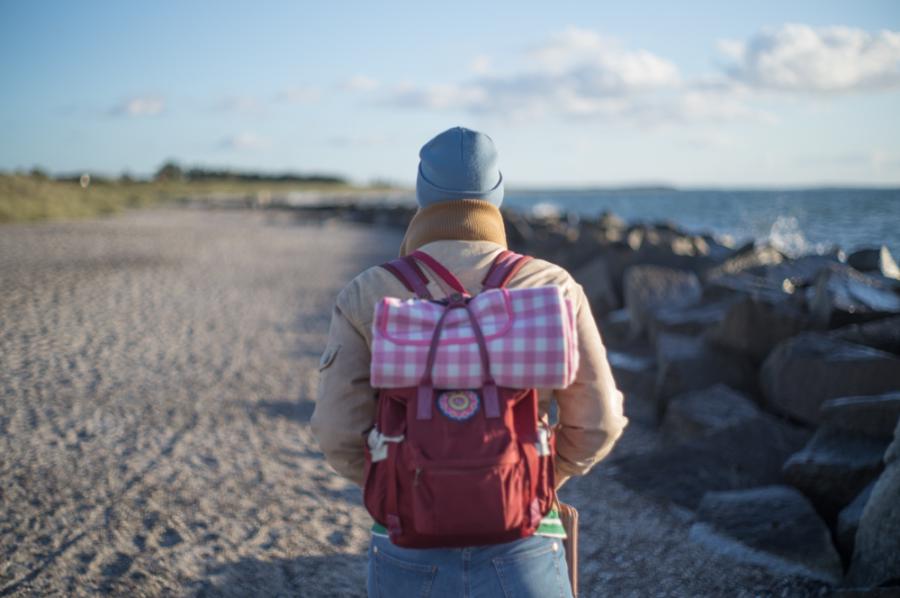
407, 271
505, 266
439, 269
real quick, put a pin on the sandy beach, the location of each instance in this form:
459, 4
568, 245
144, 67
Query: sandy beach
157, 374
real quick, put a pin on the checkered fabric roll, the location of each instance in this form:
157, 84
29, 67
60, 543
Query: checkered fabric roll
530, 335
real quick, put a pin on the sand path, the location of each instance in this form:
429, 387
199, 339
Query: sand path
157, 372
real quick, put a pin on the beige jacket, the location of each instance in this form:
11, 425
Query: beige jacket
590, 417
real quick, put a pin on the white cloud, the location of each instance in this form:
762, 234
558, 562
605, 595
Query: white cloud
149, 105
359, 83
801, 58
581, 75
481, 65
240, 105
299, 94
244, 142
440, 97
568, 48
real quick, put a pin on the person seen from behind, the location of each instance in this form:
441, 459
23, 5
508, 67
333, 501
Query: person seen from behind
420, 547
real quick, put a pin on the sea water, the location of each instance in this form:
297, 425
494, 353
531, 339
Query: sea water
796, 221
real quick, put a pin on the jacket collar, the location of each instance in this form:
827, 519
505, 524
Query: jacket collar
460, 220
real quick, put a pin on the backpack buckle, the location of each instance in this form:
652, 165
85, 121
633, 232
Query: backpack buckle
456, 300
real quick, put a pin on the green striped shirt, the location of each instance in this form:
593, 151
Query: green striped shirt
550, 526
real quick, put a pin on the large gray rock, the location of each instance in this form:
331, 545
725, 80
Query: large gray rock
844, 296
798, 272
775, 527
741, 456
615, 328
746, 257
882, 334
692, 320
755, 327
688, 363
848, 522
805, 371
874, 416
879, 261
696, 414
773, 283
519, 233
834, 468
663, 245
649, 288
745, 284
876, 554
635, 374
596, 279
720, 248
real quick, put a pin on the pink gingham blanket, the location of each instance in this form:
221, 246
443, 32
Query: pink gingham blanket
529, 332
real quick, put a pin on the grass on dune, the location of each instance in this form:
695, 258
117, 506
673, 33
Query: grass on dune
25, 198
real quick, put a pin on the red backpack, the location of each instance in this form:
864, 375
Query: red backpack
476, 469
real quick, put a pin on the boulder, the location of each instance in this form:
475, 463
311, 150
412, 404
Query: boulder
844, 296
558, 245
720, 248
696, 414
746, 257
753, 326
635, 375
648, 288
834, 468
878, 260
876, 553
690, 320
615, 327
805, 371
665, 246
772, 526
873, 416
597, 282
883, 334
799, 272
519, 233
609, 221
582, 245
745, 284
741, 456
688, 363
848, 522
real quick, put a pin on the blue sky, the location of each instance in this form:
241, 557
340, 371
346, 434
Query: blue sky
573, 93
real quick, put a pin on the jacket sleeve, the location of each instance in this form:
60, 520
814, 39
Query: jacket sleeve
345, 405
591, 417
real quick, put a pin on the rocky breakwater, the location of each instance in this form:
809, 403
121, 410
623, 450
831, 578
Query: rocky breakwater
775, 383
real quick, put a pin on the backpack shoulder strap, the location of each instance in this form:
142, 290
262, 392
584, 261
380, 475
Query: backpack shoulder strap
439, 269
408, 272
505, 266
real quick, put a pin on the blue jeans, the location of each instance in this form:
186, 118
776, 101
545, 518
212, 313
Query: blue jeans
534, 566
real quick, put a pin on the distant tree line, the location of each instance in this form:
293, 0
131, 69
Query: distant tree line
171, 171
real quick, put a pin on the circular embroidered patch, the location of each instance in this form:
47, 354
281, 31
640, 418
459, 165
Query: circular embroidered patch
458, 405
